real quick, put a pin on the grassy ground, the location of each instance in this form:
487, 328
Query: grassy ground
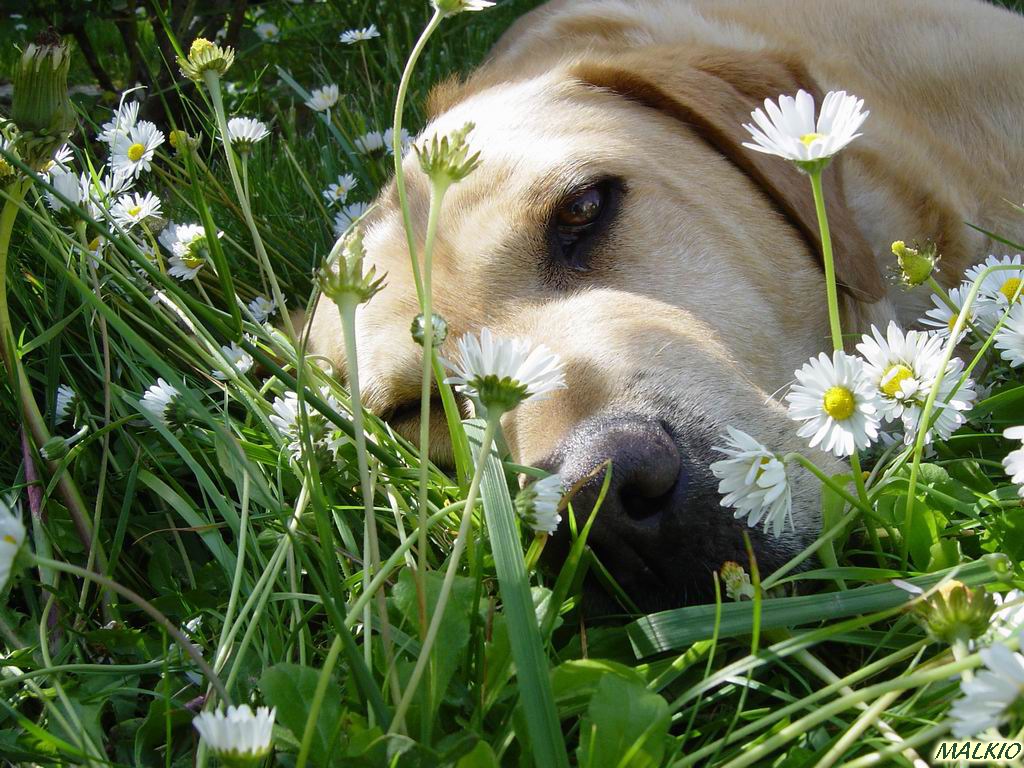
262, 556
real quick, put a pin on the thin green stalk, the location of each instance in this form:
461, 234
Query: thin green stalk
437, 192
830, 267
318, 699
490, 431
155, 614
396, 146
212, 80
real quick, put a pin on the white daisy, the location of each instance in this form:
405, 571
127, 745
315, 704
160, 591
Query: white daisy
123, 120
501, 372
359, 35
262, 308
132, 152
789, 131
285, 417
267, 31
941, 318
237, 734
370, 143
12, 536
99, 194
537, 504
338, 191
67, 184
245, 132
1010, 339
189, 249
997, 288
136, 208
64, 404
837, 403
238, 360
1008, 617
389, 140
1014, 461
322, 99
903, 367
347, 216
449, 7
754, 482
989, 695
160, 401
61, 161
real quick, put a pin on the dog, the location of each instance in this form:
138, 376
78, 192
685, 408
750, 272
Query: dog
616, 218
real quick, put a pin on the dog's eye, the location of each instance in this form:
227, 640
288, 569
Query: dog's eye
578, 222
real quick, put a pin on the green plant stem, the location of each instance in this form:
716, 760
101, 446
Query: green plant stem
347, 305
490, 431
15, 193
318, 699
155, 614
437, 192
924, 423
212, 80
396, 146
831, 291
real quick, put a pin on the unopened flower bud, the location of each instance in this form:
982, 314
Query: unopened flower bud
203, 57
40, 108
737, 582
915, 264
342, 276
55, 448
447, 160
182, 142
539, 502
956, 612
439, 333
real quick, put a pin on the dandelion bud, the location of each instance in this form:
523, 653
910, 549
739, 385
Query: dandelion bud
447, 160
440, 332
40, 108
342, 277
451, 7
203, 57
537, 504
915, 265
956, 612
737, 582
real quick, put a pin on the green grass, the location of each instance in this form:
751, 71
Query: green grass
263, 558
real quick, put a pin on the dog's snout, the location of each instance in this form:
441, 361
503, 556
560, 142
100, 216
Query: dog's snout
646, 472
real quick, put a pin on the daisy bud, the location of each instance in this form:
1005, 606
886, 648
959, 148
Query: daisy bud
501, 373
40, 108
447, 160
237, 735
343, 276
956, 612
737, 582
451, 7
915, 264
205, 56
12, 536
181, 142
440, 329
538, 503
55, 448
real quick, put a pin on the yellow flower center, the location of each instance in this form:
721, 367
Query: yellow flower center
839, 403
200, 46
10, 539
952, 321
894, 378
94, 244
807, 138
192, 261
136, 151
135, 210
1010, 287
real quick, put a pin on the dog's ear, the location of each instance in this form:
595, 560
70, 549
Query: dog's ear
713, 93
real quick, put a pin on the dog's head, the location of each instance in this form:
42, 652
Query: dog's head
616, 218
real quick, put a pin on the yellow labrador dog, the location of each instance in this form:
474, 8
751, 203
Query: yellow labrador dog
616, 218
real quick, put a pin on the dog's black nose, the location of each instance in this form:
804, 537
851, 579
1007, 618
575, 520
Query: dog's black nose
648, 487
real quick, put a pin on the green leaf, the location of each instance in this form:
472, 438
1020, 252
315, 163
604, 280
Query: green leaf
481, 756
574, 682
625, 725
945, 553
290, 688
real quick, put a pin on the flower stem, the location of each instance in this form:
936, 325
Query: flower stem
396, 143
212, 80
830, 268
142, 603
317, 702
490, 430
